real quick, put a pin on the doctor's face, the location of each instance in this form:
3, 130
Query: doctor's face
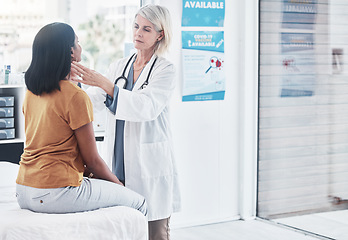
144, 34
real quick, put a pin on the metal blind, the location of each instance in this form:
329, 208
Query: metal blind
303, 112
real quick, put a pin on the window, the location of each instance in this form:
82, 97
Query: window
102, 26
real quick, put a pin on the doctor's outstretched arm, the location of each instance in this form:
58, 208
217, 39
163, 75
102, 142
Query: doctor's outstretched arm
136, 106
91, 78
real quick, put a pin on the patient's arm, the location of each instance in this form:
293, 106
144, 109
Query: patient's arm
88, 148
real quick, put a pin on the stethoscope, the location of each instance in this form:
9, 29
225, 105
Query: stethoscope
123, 77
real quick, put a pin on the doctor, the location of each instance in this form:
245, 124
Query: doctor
138, 138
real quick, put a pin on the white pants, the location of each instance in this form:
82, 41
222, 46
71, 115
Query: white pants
91, 195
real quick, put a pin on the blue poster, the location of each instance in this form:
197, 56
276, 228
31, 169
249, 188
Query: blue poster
298, 64
204, 13
203, 65
299, 14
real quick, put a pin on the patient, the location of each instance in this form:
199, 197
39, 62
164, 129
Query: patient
60, 140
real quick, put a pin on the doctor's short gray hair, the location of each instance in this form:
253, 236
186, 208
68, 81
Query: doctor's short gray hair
159, 16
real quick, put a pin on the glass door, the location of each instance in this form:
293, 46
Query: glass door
303, 117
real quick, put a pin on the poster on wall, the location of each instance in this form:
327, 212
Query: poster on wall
298, 64
203, 65
299, 14
204, 13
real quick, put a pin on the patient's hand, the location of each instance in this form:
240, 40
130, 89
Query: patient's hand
88, 173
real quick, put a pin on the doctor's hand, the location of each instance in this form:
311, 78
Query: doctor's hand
71, 76
82, 74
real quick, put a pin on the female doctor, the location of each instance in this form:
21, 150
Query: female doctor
138, 137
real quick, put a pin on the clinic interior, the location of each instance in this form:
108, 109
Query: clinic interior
274, 147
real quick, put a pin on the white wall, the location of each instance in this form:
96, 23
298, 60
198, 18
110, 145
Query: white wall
207, 135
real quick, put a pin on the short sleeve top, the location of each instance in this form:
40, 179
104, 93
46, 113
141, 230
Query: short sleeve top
51, 157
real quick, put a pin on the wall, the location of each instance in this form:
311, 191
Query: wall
207, 135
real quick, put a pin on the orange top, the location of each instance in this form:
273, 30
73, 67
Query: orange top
51, 157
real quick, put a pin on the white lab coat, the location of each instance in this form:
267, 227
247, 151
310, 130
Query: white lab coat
150, 168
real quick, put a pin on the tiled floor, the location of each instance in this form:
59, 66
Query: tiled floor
326, 226
333, 224
239, 230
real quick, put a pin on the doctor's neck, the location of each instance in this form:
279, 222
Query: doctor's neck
144, 56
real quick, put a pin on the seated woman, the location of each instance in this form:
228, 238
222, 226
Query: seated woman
60, 141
